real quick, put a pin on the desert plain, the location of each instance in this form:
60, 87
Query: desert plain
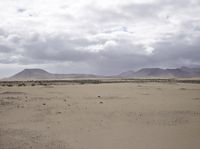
123, 115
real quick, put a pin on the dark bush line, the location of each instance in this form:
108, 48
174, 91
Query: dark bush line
96, 81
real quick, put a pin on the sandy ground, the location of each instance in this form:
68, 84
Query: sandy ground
101, 116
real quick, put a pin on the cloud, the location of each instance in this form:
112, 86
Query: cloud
104, 37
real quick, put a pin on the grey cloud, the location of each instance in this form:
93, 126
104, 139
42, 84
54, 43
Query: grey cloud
5, 49
146, 11
58, 49
142, 11
14, 38
2, 33
179, 3
172, 51
178, 51
115, 64
169, 53
21, 10
104, 15
98, 26
132, 11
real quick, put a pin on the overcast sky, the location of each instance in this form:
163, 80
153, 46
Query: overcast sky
98, 36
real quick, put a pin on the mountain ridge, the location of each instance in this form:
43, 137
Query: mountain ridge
183, 72
40, 74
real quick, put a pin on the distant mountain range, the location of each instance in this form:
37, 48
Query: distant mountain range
183, 72
40, 74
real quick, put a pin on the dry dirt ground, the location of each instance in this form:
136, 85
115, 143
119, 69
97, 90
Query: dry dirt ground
101, 116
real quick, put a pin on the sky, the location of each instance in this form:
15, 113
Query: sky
98, 36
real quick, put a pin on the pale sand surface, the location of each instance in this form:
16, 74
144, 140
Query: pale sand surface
125, 116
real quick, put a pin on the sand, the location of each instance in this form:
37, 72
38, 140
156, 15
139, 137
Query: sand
101, 116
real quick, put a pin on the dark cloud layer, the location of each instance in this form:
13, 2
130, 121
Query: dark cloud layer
104, 40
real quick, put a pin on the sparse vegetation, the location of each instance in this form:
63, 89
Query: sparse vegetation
94, 81
22, 84
10, 85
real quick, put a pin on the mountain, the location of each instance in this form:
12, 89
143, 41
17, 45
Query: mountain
127, 73
183, 72
152, 72
32, 74
40, 74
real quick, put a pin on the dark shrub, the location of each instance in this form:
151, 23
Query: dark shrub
9, 85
